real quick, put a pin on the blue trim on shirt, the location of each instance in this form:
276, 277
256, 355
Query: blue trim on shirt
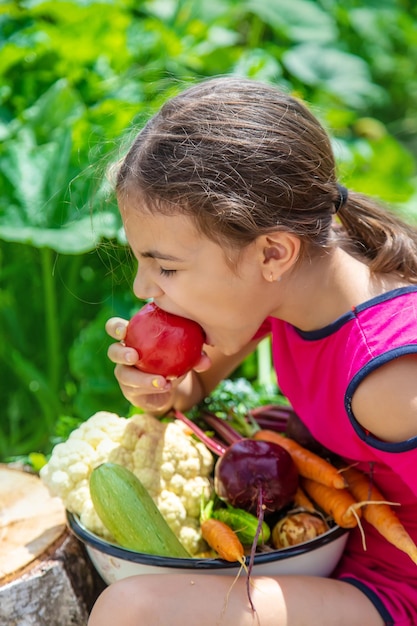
373, 597
312, 335
368, 438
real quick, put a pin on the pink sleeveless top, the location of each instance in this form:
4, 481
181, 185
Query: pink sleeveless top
319, 372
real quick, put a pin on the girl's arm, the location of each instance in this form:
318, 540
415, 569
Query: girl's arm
385, 403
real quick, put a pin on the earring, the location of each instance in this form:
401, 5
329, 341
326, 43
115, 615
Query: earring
272, 279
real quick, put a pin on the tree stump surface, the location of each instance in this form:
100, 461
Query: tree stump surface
46, 576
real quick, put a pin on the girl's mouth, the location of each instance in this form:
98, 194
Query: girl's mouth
208, 342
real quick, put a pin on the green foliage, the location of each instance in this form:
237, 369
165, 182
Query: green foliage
76, 78
238, 396
234, 398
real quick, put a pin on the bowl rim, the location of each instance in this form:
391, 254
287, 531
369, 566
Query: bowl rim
94, 541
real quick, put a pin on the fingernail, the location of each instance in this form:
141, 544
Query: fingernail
118, 331
156, 383
130, 358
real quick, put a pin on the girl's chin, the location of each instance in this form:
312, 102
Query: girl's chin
227, 350
224, 345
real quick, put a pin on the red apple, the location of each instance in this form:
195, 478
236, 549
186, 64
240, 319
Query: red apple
167, 344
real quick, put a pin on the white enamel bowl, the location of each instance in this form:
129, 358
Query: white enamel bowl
317, 557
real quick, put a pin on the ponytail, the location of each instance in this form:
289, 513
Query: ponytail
387, 242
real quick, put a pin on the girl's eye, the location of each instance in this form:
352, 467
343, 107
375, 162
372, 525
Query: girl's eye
165, 272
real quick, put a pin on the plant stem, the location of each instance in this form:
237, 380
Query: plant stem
72, 269
222, 428
255, 35
212, 444
51, 319
263, 352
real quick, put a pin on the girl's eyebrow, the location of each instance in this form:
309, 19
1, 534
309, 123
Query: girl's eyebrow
154, 254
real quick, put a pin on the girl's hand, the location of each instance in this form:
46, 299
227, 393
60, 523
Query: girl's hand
150, 392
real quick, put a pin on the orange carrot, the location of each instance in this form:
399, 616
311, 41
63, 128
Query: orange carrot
380, 515
303, 501
309, 464
223, 540
338, 503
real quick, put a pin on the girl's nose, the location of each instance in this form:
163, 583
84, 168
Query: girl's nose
144, 287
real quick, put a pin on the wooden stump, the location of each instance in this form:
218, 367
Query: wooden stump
46, 577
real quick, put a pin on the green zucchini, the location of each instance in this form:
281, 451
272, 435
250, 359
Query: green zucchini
128, 512
243, 523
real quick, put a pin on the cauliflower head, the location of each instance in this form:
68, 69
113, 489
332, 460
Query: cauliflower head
174, 467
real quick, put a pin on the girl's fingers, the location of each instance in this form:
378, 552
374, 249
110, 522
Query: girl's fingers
116, 328
118, 353
141, 383
148, 391
151, 393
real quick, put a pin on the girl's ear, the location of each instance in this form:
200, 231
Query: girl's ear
279, 252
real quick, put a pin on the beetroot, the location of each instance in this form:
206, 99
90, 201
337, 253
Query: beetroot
251, 469
250, 474
168, 345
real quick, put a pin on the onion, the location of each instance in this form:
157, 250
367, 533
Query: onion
297, 528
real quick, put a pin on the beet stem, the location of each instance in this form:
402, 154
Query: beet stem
277, 424
222, 428
215, 446
272, 409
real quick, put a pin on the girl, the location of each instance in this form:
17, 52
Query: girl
232, 207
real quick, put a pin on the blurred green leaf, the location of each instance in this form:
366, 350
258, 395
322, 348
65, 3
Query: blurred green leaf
372, 166
75, 237
298, 20
340, 73
260, 65
59, 106
27, 166
44, 213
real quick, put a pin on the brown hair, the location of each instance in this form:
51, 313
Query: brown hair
242, 159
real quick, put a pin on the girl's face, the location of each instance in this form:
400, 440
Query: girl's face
187, 274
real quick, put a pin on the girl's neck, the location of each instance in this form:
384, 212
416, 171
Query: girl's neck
318, 293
